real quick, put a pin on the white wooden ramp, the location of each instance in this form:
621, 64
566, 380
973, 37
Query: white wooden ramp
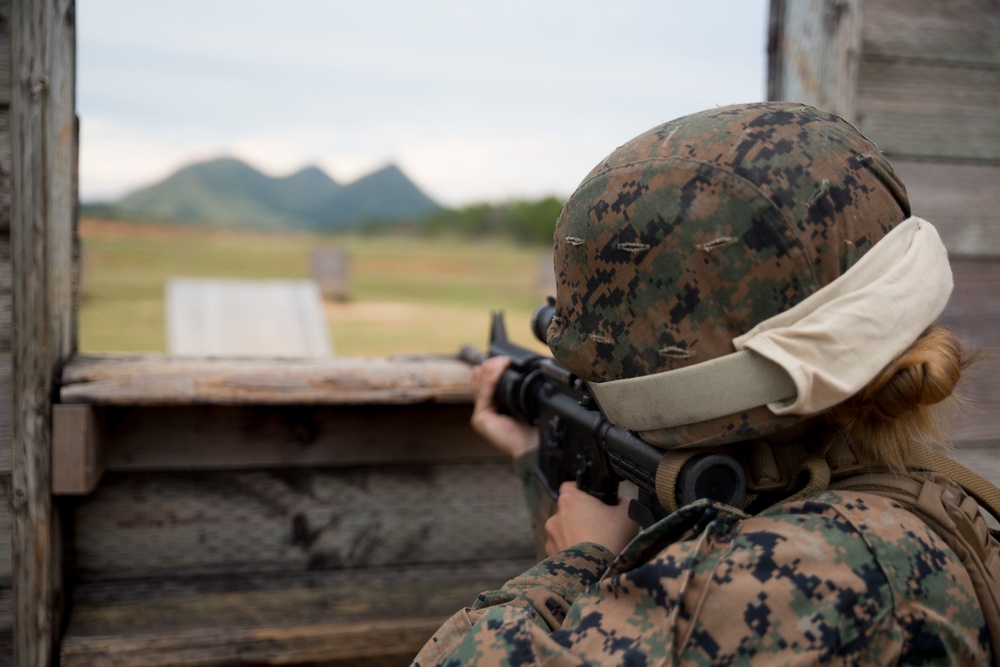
239, 318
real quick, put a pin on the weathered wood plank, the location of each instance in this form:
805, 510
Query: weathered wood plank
228, 438
5, 164
963, 33
918, 110
164, 380
813, 53
6, 412
973, 312
961, 200
43, 207
150, 439
6, 627
77, 451
6, 293
5, 552
233, 318
352, 615
204, 523
5, 52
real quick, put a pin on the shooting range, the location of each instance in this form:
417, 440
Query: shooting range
209, 510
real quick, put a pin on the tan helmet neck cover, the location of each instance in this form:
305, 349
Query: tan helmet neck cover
811, 357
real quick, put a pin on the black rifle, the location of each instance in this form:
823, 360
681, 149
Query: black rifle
578, 444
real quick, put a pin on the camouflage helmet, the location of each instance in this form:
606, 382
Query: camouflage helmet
690, 234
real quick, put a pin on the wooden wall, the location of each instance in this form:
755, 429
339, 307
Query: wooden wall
41, 235
921, 79
928, 94
284, 510
812, 52
6, 388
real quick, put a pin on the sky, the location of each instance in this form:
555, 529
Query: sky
475, 100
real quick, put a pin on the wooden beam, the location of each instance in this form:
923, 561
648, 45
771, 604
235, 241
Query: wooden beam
813, 53
43, 207
5, 52
271, 521
332, 618
233, 438
6, 290
5, 175
163, 380
6, 412
77, 452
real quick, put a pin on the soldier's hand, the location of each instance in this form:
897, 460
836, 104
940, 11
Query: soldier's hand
580, 517
503, 432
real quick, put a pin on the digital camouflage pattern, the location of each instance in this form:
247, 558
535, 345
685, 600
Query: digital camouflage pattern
835, 578
695, 231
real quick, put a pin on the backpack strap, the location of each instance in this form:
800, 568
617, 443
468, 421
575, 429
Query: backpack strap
956, 519
988, 495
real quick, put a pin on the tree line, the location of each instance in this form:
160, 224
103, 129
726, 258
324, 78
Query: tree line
524, 221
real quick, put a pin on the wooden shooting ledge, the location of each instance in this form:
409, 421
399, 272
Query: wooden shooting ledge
297, 511
156, 412
292, 511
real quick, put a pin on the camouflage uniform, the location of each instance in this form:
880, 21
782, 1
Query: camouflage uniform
681, 240
841, 578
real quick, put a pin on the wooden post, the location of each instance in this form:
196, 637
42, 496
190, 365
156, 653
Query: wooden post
813, 48
43, 162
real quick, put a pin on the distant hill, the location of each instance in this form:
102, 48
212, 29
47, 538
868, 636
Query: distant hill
229, 192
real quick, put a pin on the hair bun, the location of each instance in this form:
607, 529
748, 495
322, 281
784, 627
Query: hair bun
924, 374
892, 411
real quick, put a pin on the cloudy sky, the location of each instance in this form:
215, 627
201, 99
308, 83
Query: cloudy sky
475, 100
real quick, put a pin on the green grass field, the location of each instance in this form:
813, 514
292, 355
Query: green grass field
407, 294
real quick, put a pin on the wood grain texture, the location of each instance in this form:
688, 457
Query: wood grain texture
163, 380
930, 111
5, 52
6, 412
929, 79
78, 453
6, 627
5, 549
232, 438
5, 159
962, 201
139, 525
6, 294
813, 53
382, 615
43, 207
958, 33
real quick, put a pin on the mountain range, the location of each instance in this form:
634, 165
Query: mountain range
229, 192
